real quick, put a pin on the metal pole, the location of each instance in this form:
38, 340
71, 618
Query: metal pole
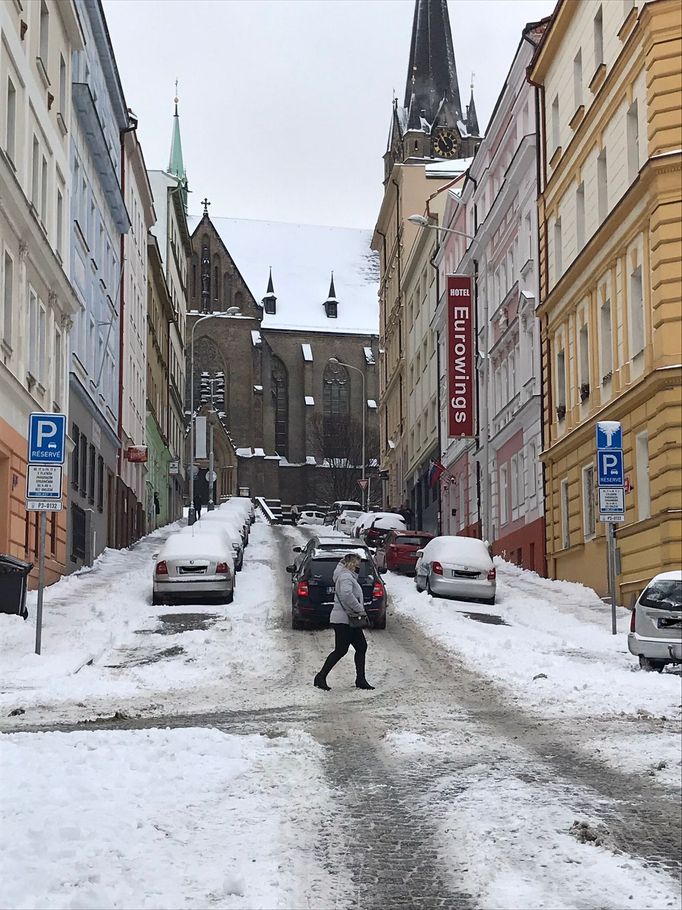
191, 513
612, 573
41, 581
211, 505
364, 455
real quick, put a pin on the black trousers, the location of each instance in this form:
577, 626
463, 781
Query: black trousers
344, 637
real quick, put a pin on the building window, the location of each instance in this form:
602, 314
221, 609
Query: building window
32, 333
589, 526
11, 120
578, 80
598, 39
565, 517
58, 379
7, 298
580, 217
558, 258
336, 407
75, 456
504, 493
91, 475
35, 173
59, 233
43, 190
556, 126
42, 343
100, 483
632, 131
62, 87
514, 487
226, 289
44, 33
584, 354
216, 283
532, 470
606, 341
636, 313
280, 400
561, 384
83, 464
529, 236
643, 488
602, 187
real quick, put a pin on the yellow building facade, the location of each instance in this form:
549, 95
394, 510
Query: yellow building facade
609, 76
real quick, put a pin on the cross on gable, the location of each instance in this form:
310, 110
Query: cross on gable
205, 204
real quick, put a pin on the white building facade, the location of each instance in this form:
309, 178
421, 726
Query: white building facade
37, 304
495, 486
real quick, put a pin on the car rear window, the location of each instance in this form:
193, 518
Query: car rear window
324, 569
665, 594
412, 540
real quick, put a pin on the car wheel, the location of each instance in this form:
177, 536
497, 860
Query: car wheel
649, 664
229, 597
428, 587
417, 585
157, 601
298, 623
489, 600
380, 623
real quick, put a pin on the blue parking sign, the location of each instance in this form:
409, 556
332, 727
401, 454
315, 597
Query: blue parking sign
610, 468
46, 438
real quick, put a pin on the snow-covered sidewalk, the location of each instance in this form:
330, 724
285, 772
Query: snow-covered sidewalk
163, 818
554, 651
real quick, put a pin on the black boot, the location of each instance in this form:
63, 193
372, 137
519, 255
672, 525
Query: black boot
362, 684
321, 683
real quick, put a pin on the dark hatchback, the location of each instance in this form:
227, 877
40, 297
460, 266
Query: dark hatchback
398, 551
312, 590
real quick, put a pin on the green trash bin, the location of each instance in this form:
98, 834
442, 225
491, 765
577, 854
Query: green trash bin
13, 585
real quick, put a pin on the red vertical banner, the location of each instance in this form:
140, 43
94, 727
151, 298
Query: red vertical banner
461, 377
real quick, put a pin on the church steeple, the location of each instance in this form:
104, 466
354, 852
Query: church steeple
176, 164
472, 118
331, 304
431, 71
269, 302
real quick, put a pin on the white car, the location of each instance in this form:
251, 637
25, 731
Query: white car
355, 530
310, 517
207, 525
382, 521
656, 624
199, 567
460, 567
346, 520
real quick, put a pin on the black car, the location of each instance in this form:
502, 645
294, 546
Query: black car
319, 542
312, 589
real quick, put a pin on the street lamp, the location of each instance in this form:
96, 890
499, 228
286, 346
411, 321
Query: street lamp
230, 311
364, 417
423, 222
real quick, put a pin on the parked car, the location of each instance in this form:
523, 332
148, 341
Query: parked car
312, 589
375, 526
199, 567
311, 517
345, 521
460, 567
209, 525
398, 550
656, 623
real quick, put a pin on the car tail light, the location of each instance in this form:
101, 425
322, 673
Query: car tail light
492, 574
436, 568
377, 591
162, 567
633, 619
302, 589
222, 569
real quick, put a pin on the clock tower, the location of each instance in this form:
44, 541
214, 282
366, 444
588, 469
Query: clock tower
431, 123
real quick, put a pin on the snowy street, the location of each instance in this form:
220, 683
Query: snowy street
511, 756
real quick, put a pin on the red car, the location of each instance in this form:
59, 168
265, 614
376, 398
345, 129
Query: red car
398, 552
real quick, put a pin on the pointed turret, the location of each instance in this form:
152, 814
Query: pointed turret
431, 72
331, 304
176, 164
472, 118
270, 300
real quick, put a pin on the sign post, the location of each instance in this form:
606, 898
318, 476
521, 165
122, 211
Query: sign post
611, 492
46, 455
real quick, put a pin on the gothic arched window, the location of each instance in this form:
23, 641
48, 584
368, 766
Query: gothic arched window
280, 401
238, 299
336, 407
226, 289
205, 274
195, 264
216, 283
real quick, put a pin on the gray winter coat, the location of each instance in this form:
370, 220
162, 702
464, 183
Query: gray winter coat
348, 597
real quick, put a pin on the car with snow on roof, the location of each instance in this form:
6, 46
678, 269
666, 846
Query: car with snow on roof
458, 567
194, 568
656, 623
209, 525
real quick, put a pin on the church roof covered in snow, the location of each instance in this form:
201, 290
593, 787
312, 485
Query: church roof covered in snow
302, 257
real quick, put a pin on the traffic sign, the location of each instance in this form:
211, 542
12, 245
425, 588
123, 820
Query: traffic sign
211, 476
44, 481
609, 434
46, 438
612, 504
363, 484
610, 468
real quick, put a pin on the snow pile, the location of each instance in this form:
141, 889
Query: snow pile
555, 653
163, 818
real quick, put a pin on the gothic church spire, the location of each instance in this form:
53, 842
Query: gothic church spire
176, 164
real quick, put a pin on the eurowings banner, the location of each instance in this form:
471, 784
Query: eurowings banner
461, 377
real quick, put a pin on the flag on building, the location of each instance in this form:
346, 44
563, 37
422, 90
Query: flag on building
435, 471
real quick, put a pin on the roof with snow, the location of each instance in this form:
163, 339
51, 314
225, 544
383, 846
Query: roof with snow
302, 257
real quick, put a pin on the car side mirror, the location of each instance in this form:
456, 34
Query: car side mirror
291, 569
298, 549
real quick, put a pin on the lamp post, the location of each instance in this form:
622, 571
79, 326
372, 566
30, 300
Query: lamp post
231, 311
364, 418
484, 513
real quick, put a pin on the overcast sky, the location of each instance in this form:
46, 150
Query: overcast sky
285, 104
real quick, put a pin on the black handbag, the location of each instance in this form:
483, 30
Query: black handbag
358, 620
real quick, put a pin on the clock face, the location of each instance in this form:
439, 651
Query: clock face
445, 144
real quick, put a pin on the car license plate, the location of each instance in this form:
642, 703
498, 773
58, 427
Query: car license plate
330, 590
669, 623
